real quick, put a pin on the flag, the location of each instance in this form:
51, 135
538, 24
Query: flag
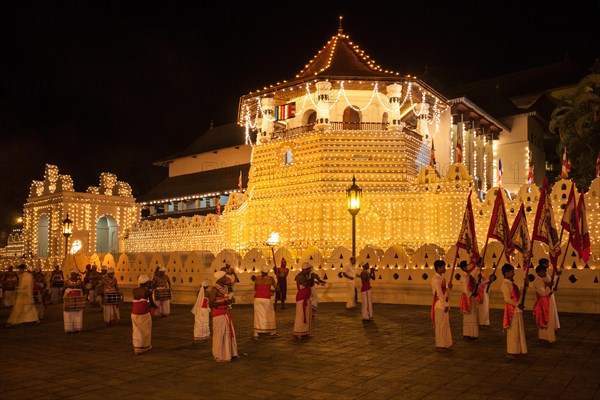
598, 165
218, 205
240, 181
285, 111
500, 172
569, 219
566, 165
519, 235
584, 246
459, 155
544, 228
499, 225
466, 237
432, 156
530, 174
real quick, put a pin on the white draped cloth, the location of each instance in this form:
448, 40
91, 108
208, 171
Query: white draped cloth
142, 330
264, 316
201, 316
24, 309
515, 333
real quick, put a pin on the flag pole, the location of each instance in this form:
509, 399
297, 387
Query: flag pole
562, 264
526, 263
487, 289
452, 276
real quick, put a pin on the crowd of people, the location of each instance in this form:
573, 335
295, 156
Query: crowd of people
28, 292
474, 306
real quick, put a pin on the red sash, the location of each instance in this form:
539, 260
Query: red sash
140, 308
204, 303
263, 292
224, 311
509, 309
75, 293
541, 311
366, 285
303, 294
465, 300
435, 299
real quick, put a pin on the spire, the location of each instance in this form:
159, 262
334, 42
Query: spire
340, 29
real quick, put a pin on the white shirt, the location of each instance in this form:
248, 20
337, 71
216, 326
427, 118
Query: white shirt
436, 288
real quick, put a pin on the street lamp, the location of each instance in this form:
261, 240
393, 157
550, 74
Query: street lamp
273, 241
67, 230
354, 194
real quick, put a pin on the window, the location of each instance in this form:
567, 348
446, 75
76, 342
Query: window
287, 158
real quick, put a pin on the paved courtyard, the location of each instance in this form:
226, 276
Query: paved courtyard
392, 357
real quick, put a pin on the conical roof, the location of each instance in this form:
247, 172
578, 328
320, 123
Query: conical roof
341, 58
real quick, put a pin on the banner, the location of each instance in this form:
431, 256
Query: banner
544, 228
285, 111
466, 237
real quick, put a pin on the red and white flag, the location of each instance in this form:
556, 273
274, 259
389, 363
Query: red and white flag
499, 225
566, 165
519, 236
544, 228
240, 181
584, 247
466, 237
459, 155
569, 221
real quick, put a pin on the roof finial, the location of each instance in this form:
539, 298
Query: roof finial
340, 29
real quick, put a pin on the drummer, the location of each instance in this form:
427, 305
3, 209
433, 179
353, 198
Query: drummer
74, 301
162, 292
112, 297
57, 281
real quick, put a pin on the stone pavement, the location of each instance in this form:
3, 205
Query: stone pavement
392, 357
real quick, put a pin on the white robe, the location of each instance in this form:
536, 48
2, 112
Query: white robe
515, 333
443, 334
224, 345
24, 309
548, 333
201, 317
471, 319
264, 316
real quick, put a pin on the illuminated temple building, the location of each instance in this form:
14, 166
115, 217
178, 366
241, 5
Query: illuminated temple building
286, 165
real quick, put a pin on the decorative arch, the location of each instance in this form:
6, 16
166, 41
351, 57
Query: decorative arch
107, 235
42, 238
351, 118
309, 117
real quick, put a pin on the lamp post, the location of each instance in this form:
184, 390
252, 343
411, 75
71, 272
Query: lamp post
67, 230
354, 194
273, 241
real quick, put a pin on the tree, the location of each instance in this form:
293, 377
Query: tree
577, 121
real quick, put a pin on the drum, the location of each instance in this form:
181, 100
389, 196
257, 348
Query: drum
162, 294
74, 303
57, 283
112, 298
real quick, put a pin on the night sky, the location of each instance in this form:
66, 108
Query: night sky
111, 86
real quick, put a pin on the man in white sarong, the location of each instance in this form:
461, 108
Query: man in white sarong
57, 281
513, 315
201, 314
73, 303
483, 301
109, 287
440, 310
543, 310
552, 280
141, 319
264, 312
303, 320
350, 275
24, 308
468, 301
224, 346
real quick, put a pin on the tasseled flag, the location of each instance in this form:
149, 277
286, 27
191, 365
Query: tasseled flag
499, 225
500, 172
585, 246
466, 236
530, 174
569, 221
566, 165
544, 228
519, 236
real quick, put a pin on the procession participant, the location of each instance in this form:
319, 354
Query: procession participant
282, 273
468, 301
230, 277
552, 281
483, 300
367, 302
513, 315
201, 314
111, 297
73, 303
162, 292
39, 289
350, 275
303, 320
224, 345
57, 281
87, 285
440, 310
314, 281
9, 287
141, 319
99, 284
93, 278
264, 312
543, 310
24, 307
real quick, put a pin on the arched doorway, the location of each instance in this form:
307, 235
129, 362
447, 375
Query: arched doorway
42, 238
351, 118
107, 235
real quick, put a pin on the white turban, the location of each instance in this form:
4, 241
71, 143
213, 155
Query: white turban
205, 282
162, 269
218, 275
306, 265
265, 268
143, 279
